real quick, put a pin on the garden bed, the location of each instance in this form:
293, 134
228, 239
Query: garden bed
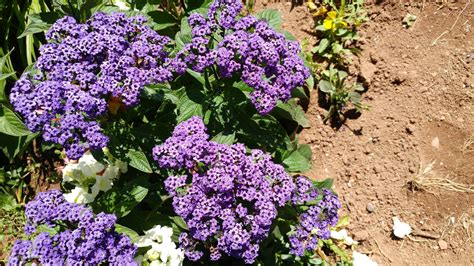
185, 110
418, 92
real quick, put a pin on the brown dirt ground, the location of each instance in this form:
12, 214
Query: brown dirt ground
421, 92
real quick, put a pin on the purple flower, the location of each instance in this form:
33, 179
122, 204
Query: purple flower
264, 60
86, 70
83, 238
228, 197
250, 50
316, 221
224, 12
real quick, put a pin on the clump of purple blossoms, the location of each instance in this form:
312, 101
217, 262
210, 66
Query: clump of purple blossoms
316, 221
264, 60
85, 70
224, 12
227, 196
250, 50
85, 238
197, 55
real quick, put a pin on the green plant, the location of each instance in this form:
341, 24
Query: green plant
337, 30
12, 221
233, 114
339, 94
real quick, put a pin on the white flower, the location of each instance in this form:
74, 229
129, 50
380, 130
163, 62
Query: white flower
102, 183
89, 165
79, 195
343, 235
68, 172
88, 171
400, 229
163, 250
122, 5
360, 259
85, 169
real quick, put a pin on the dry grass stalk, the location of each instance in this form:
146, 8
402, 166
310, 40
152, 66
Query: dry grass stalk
464, 223
427, 180
468, 145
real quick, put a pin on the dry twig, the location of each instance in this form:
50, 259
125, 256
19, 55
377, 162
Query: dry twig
452, 27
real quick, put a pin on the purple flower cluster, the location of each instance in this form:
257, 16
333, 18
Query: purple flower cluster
314, 223
197, 55
85, 70
264, 60
87, 239
304, 192
250, 50
228, 197
224, 12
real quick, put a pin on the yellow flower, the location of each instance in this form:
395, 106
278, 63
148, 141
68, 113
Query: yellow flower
332, 22
320, 12
311, 5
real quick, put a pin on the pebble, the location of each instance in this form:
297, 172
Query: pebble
435, 142
370, 207
410, 129
443, 245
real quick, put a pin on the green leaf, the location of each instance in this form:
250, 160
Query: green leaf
39, 23
162, 19
190, 104
325, 86
291, 111
134, 236
184, 35
326, 183
14, 146
177, 220
42, 228
340, 253
272, 16
156, 92
354, 97
121, 200
299, 92
198, 76
310, 83
263, 132
10, 124
343, 222
196, 4
242, 86
224, 138
289, 36
8, 202
359, 87
337, 48
139, 161
323, 44
296, 162
4, 76
305, 150
315, 261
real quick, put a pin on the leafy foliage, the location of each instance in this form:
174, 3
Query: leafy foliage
336, 27
339, 95
138, 198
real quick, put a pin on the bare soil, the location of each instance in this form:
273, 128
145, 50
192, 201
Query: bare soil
421, 93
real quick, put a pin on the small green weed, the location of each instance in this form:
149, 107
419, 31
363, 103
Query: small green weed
339, 94
12, 222
337, 29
